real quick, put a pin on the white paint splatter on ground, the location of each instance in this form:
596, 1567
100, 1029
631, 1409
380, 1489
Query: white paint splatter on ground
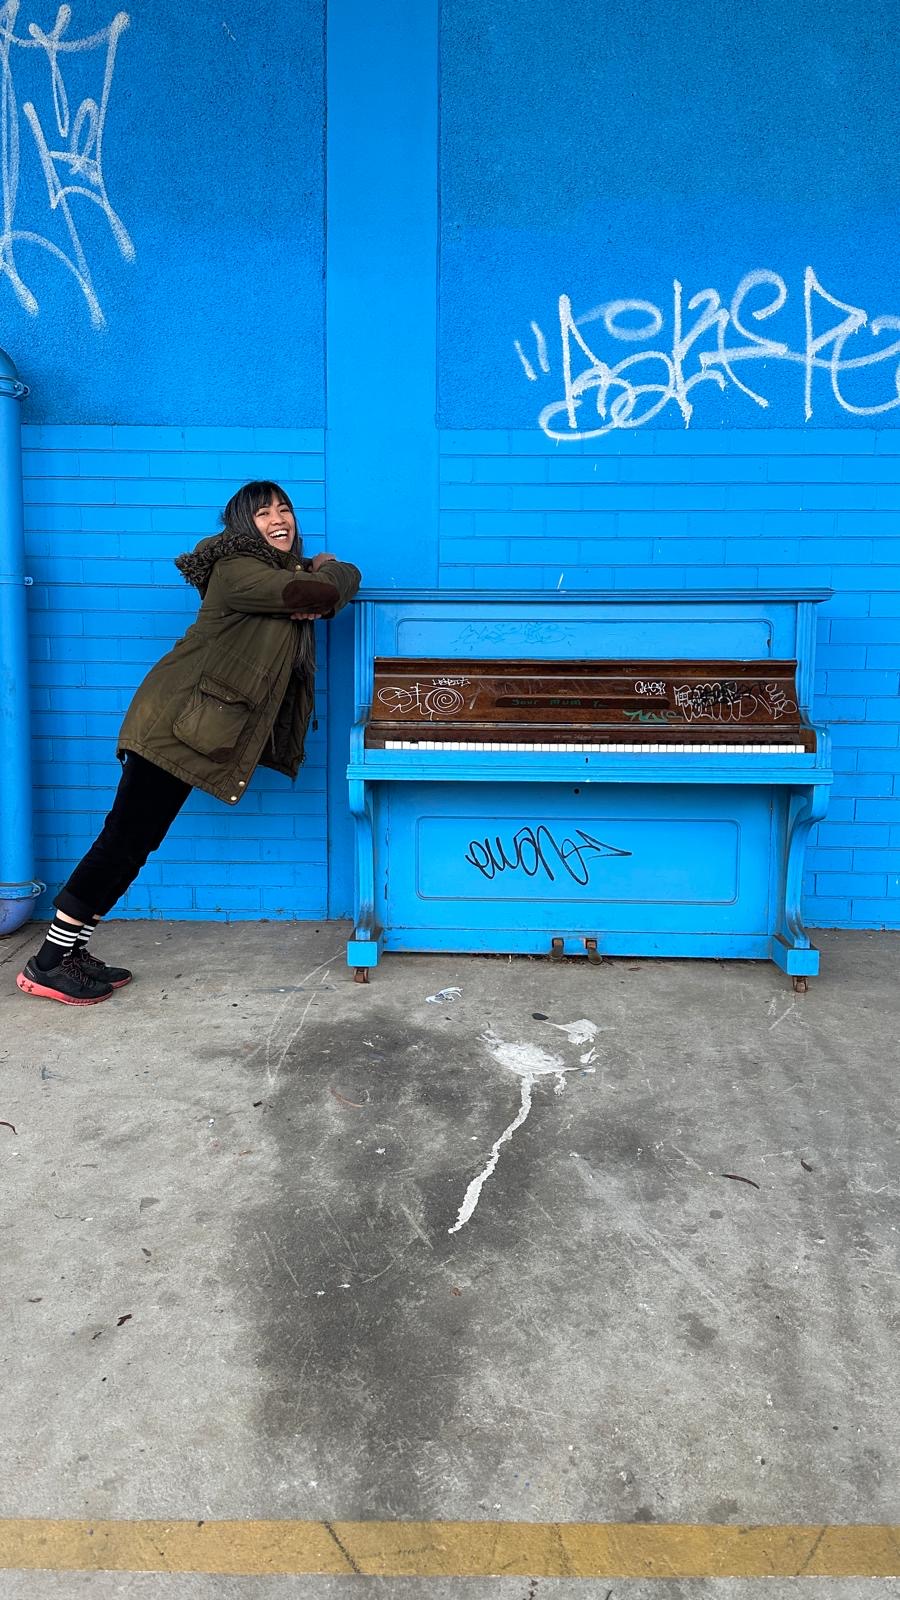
442, 996
581, 1032
529, 1062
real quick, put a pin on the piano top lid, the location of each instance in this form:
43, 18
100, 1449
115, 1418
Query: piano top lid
624, 597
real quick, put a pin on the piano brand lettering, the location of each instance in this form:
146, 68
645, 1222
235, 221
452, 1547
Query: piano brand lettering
440, 700
535, 850
713, 340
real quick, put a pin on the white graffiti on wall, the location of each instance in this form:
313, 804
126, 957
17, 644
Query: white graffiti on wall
72, 172
708, 345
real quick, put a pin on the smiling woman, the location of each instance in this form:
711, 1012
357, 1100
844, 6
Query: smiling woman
234, 694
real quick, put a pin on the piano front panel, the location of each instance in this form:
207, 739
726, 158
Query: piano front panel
544, 860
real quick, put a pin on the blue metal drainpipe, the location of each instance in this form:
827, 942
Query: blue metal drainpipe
18, 888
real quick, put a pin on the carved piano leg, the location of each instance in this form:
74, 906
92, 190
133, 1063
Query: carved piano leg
365, 944
790, 948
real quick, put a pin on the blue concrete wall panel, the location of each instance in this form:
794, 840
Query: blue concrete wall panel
162, 257
611, 154
106, 604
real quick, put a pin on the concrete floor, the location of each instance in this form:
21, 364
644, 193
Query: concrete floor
257, 1162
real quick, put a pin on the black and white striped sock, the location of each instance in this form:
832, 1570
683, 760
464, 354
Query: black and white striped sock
61, 940
84, 935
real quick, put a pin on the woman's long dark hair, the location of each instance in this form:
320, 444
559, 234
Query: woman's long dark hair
243, 506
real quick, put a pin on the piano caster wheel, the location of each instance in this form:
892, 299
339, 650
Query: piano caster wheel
557, 950
360, 974
593, 954
800, 984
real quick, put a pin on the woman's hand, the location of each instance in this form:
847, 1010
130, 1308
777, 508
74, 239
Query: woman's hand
320, 559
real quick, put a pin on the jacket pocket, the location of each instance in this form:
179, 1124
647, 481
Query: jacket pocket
218, 718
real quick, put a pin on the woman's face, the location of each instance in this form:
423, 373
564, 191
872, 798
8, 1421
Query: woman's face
276, 523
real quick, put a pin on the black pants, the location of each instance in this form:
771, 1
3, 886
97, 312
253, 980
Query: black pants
147, 802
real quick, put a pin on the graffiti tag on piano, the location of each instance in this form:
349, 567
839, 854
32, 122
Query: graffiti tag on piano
699, 699
652, 687
441, 698
725, 701
535, 849
515, 633
777, 702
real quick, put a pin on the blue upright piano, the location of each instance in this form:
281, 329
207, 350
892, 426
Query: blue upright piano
593, 773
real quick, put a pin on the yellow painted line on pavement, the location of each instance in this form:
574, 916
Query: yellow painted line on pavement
452, 1549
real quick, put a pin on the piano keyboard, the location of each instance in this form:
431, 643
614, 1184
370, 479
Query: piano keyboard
509, 747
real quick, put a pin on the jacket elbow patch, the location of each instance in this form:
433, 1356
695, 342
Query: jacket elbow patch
310, 594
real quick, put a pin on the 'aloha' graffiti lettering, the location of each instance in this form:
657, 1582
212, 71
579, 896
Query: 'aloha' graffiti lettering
630, 392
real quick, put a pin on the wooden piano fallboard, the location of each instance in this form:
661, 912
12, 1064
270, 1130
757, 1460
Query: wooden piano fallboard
589, 705
603, 774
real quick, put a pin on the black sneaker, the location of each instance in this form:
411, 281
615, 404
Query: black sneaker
68, 983
99, 971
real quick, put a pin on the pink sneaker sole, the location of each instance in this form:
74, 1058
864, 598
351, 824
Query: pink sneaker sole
28, 986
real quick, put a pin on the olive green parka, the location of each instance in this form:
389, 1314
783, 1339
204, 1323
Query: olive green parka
232, 695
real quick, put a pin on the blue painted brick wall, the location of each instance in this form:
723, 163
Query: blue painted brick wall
107, 510
773, 508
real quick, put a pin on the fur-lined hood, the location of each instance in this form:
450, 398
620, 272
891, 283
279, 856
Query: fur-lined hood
196, 565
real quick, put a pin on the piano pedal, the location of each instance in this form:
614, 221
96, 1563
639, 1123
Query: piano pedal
360, 974
593, 954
